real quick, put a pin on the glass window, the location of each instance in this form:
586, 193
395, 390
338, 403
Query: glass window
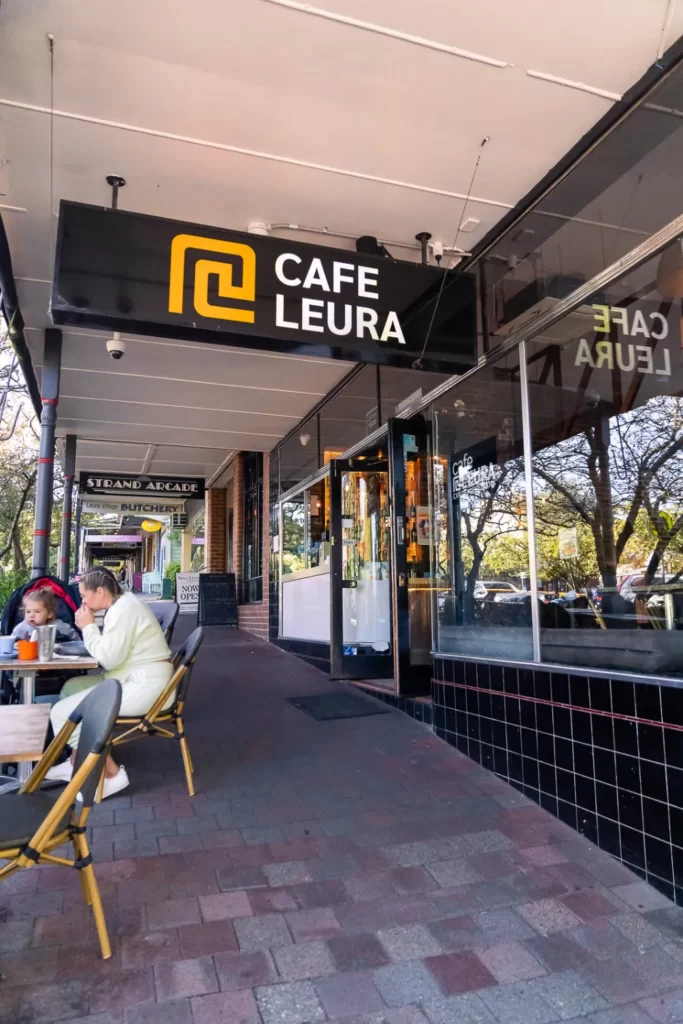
483, 603
294, 534
318, 508
253, 514
606, 402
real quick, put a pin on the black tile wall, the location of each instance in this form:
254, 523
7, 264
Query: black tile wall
605, 756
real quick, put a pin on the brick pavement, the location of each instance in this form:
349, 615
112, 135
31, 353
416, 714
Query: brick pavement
359, 871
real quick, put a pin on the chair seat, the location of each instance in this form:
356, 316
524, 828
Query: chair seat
21, 814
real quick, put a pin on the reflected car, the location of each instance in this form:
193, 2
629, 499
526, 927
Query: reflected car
492, 590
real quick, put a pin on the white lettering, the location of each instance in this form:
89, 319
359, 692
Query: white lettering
338, 276
364, 273
392, 329
639, 326
664, 327
366, 318
291, 282
631, 357
584, 354
316, 276
331, 320
644, 357
309, 313
604, 353
280, 314
666, 355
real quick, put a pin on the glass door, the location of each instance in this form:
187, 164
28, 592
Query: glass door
362, 640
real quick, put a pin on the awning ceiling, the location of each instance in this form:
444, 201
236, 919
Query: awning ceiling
357, 118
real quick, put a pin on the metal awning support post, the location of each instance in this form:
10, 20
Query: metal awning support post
52, 358
77, 538
69, 473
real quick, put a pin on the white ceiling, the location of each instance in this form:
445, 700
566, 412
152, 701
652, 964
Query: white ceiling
363, 118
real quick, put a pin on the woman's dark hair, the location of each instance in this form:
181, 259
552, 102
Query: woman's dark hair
98, 576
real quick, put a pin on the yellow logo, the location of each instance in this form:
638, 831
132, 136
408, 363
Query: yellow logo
246, 292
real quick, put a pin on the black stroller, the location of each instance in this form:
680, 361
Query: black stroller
67, 598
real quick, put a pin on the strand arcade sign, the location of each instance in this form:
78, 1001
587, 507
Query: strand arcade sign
120, 485
151, 276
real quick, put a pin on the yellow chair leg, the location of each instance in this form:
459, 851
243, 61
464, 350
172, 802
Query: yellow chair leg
187, 761
85, 888
89, 883
100, 788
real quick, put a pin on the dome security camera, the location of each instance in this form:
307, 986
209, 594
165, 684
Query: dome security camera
116, 346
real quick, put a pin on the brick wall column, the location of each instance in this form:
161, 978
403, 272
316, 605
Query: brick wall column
215, 531
238, 518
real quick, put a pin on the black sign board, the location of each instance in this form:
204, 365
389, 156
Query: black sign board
147, 486
217, 599
131, 272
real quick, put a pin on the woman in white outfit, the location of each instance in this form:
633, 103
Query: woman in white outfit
130, 648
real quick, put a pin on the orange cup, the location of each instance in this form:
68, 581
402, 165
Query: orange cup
27, 650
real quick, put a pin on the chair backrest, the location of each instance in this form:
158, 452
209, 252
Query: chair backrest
186, 656
97, 714
166, 613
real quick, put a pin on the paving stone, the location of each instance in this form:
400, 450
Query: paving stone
623, 1015
320, 894
225, 1008
589, 905
125, 988
245, 970
225, 905
308, 925
173, 913
460, 972
178, 1012
351, 993
262, 932
180, 978
197, 940
410, 880
518, 1004
667, 1009
616, 980
603, 940
641, 896
544, 856
367, 888
201, 823
488, 842
412, 942
503, 925
408, 855
303, 960
638, 930
136, 848
558, 952
241, 878
510, 962
292, 1003
548, 916
453, 872
569, 995
16, 935
271, 901
405, 983
463, 1009
154, 829
149, 948
357, 952
287, 873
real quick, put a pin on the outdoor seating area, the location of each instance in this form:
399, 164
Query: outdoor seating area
355, 870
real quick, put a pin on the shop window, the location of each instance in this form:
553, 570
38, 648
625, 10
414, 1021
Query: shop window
318, 532
481, 558
606, 405
293, 535
253, 517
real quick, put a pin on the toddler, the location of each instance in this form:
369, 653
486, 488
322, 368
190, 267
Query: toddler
40, 609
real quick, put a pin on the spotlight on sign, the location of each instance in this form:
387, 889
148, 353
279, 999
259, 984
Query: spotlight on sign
151, 525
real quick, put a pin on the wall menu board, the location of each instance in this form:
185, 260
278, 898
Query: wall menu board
217, 599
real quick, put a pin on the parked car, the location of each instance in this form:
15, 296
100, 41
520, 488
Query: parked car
489, 590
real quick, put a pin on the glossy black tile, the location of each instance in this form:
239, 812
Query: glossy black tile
458, 668
623, 698
562, 721
483, 675
546, 748
609, 838
485, 704
582, 730
672, 705
515, 767
606, 801
674, 779
583, 760
632, 847
549, 802
470, 673
578, 692
673, 747
530, 773
500, 762
486, 731
496, 677
510, 679
514, 738
547, 775
600, 693
544, 718
656, 819
648, 701
566, 812
526, 682
564, 753
527, 712
585, 794
472, 702
628, 773
626, 737
651, 742
653, 780
512, 711
631, 810
530, 743
605, 765
542, 689
603, 732
565, 786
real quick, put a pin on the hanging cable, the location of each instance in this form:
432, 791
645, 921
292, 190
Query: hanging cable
417, 365
51, 44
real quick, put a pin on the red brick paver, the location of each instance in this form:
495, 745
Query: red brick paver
358, 871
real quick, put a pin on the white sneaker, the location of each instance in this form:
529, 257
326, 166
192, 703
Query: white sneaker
60, 772
116, 783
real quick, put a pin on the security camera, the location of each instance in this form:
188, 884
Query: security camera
116, 346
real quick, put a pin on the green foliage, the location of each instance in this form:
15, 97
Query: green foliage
171, 571
10, 579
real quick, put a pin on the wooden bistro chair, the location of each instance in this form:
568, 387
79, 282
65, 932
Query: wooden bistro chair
34, 822
167, 723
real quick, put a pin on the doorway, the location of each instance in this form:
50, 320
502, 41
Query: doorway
380, 561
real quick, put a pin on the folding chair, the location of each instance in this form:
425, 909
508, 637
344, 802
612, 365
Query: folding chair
166, 613
172, 717
34, 822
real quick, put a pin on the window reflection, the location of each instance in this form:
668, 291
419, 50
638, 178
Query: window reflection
293, 535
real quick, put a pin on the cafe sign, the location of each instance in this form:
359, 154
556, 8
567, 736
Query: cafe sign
141, 486
132, 272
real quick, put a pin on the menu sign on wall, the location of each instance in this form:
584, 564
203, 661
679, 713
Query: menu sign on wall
128, 271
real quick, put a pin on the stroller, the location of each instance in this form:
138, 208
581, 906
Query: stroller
67, 598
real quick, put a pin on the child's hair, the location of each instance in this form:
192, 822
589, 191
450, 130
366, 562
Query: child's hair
45, 597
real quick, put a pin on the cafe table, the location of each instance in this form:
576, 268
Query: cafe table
25, 673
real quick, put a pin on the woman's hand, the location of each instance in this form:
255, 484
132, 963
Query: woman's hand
84, 617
